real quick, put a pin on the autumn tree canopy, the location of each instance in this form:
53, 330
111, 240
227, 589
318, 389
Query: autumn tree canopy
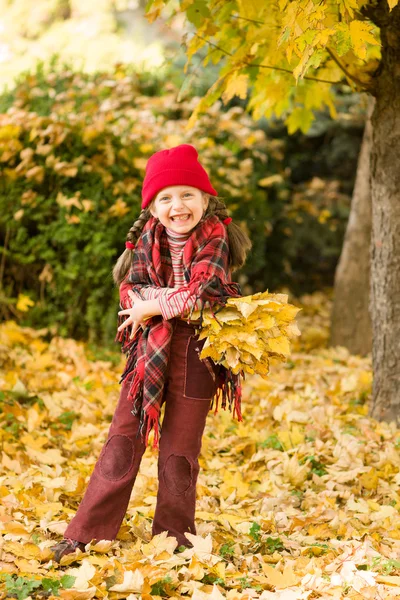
286, 58
287, 55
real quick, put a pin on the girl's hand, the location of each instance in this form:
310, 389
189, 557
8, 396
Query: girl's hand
136, 314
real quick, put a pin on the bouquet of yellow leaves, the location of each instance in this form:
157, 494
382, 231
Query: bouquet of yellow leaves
248, 331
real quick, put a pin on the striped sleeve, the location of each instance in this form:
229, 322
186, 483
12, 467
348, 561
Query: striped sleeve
146, 292
170, 307
173, 306
173, 303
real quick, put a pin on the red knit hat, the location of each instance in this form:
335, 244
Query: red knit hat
176, 166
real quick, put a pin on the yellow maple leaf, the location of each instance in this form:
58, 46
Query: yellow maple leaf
250, 9
52, 456
66, 169
268, 181
24, 302
28, 566
155, 11
71, 219
293, 472
300, 118
173, 140
236, 86
36, 443
140, 163
361, 35
27, 550
160, 543
301, 68
280, 345
370, 480
291, 438
232, 357
9, 132
119, 208
235, 482
82, 574
280, 579
195, 569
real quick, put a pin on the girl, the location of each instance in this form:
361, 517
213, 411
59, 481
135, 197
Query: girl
178, 258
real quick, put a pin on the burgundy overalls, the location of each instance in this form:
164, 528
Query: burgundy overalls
189, 388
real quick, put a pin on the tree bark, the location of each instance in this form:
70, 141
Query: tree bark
350, 318
385, 239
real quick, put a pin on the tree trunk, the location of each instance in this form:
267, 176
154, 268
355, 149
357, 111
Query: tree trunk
350, 319
385, 239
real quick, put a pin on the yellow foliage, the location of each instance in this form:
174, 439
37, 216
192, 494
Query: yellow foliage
248, 331
361, 35
282, 54
24, 303
268, 181
236, 86
66, 169
304, 482
9, 132
279, 579
119, 208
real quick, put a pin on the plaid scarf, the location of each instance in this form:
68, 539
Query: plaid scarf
205, 263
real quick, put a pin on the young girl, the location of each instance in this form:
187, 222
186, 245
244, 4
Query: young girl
178, 258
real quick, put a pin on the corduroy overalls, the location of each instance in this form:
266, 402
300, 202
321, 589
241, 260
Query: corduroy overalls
189, 388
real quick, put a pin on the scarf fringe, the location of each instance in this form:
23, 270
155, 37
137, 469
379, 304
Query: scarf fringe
123, 336
229, 390
135, 391
195, 288
149, 421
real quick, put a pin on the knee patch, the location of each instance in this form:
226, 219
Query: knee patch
117, 457
177, 474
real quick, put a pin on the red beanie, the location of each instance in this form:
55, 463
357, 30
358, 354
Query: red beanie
176, 166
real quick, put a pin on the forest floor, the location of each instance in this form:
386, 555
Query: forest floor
299, 500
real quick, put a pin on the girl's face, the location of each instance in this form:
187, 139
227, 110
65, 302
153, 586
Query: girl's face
179, 207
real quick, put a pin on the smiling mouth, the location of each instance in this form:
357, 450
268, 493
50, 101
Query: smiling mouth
180, 218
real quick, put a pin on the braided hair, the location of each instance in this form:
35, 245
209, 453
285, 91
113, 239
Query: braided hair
124, 262
239, 241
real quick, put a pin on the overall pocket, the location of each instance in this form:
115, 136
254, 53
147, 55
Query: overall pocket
200, 376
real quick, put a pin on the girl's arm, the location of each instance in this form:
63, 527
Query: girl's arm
139, 312
147, 292
175, 303
210, 280
170, 306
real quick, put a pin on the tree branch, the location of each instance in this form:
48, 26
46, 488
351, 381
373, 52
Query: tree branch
345, 71
250, 20
247, 64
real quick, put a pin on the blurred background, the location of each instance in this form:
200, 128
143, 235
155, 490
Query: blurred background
89, 90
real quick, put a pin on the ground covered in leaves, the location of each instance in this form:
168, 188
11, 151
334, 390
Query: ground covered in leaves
300, 500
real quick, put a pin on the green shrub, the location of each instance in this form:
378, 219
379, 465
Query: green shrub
73, 148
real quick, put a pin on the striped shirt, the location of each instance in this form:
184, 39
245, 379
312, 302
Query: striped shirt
173, 306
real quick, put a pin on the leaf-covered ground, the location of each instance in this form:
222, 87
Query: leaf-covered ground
300, 500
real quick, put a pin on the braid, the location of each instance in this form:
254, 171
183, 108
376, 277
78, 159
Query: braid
217, 207
239, 241
134, 233
124, 262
